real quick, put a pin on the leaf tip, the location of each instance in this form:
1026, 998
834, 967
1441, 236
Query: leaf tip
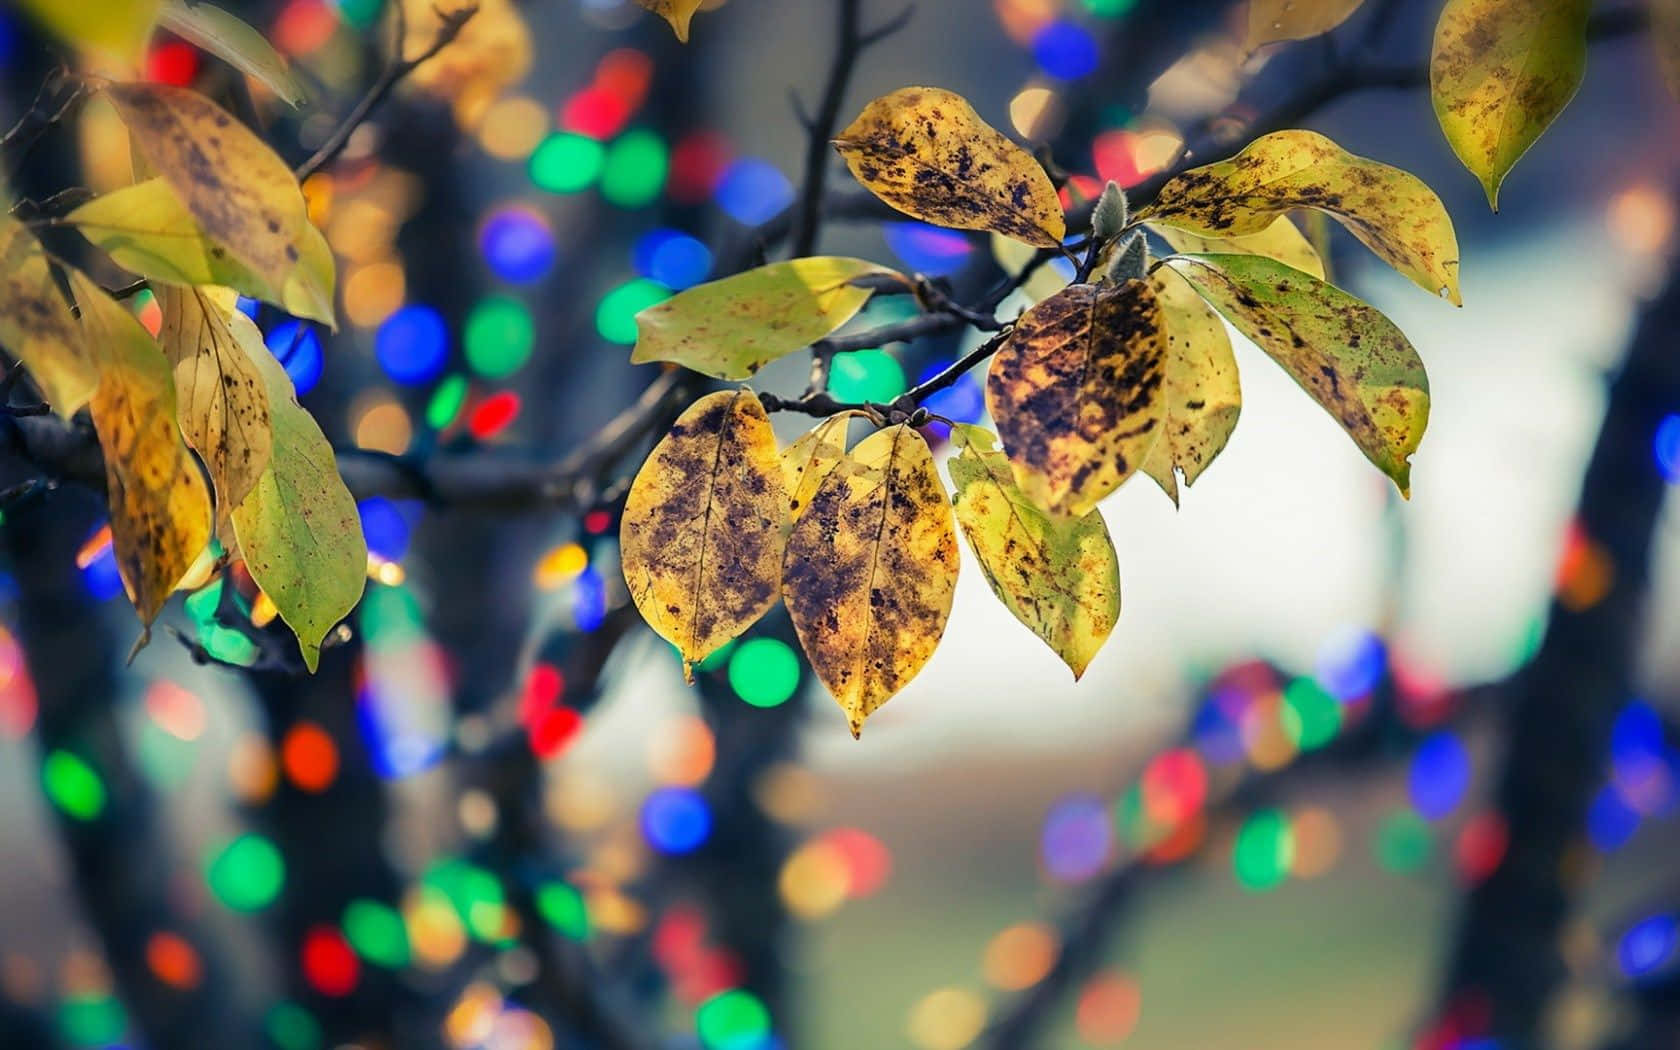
856, 726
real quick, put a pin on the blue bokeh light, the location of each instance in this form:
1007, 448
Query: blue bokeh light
1066, 50
928, 249
517, 244
1077, 839
248, 306
1647, 945
386, 528
1611, 822
672, 258
298, 349
101, 577
412, 346
753, 191
589, 600
1440, 775
1350, 663
676, 820
1666, 446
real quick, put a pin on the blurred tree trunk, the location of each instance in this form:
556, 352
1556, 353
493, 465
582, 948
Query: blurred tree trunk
1506, 963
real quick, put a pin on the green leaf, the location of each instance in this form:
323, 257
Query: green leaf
36, 325
1282, 240
1272, 20
731, 328
1350, 358
235, 43
242, 194
299, 530
1058, 576
160, 507
145, 228
1392, 212
1076, 392
1201, 398
118, 27
927, 153
1500, 73
223, 397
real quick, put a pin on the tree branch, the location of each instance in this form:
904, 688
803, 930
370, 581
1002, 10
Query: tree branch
451, 24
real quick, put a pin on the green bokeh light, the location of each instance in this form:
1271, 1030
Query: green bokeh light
563, 908
717, 659
866, 375
499, 337
228, 644
566, 163
359, 13
73, 785
377, 933
1265, 848
291, 1027
476, 895
92, 1020
764, 672
247, 873
1403, 842
634, 172
446, 403
1110, 8
1311, 717
615, 318
732, 1020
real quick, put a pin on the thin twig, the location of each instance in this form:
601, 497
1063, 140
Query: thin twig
451, 24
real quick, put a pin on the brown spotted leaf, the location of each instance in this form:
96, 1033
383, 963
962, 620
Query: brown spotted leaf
730, 328
677, 12
36, 325
871, 568
807, 461
1392, 212
1270, 21
1058, 576
705, 525
927, 153
1282, 240
1076, 392
1349, 357
241, 193
1500, 73
298, 530
223, 400
146, 228
1201, 398
160, 507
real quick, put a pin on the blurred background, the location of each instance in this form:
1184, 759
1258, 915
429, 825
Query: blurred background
1352, 772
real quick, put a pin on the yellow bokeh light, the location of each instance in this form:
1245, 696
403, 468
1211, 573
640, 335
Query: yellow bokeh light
1019, 956
561, 565
381, 424
946, 1019
814, 880
252, 772
1036, 113
512, 127
373, 292
681, 751
434, 929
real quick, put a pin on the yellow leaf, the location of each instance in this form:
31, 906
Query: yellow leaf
1665, 35
927, 153
1201, 398
1058, 576
1350, 358
871, 568
1272, 20
1011, 256
242, 195
160, 507
223, 399
1500, 73
235, 43
731, 328
118, 27
1282, 240
299, 530
1393, 212
705, 525
1076, 392
676, 12
807, 461
146, 229
36, 325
